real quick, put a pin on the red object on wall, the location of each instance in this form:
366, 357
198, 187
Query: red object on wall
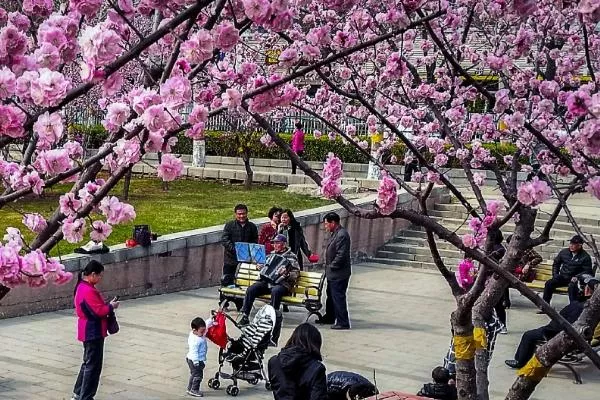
130, 243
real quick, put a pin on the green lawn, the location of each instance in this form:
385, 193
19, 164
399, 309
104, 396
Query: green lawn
187, 205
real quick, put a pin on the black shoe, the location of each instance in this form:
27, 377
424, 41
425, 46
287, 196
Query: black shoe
540, 312
244, 320
513, 364
324, 322
507, 305
339, 327
285, 308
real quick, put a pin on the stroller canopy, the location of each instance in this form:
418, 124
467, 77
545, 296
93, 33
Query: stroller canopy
262, 326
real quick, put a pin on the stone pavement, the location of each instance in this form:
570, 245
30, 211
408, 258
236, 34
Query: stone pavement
400, 331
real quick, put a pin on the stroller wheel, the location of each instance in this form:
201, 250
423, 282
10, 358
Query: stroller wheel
253, 381
268, 385
233, 390
214, 383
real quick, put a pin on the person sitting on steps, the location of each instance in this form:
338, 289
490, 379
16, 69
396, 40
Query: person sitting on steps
288, 275
531, 338
568, 265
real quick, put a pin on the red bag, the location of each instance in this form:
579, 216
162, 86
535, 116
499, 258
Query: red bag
218, 332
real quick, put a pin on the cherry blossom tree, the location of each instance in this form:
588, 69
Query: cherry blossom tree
415, 66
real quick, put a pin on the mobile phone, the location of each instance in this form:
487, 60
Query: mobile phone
116, 298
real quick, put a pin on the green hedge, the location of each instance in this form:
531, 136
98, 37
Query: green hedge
223, 144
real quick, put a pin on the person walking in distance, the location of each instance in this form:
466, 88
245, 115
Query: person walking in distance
297, 144
92, 327
337, 272
238, 230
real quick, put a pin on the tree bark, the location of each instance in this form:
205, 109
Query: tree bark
126, 185
249, 172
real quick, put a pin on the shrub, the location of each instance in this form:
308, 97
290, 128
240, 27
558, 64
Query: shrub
221, 144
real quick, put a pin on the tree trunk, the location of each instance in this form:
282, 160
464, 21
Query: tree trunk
199, 153
126, 185
249, 172
465, 367
165, 185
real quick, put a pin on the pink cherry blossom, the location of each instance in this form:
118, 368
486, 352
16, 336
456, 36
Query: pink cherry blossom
12, 120
534, 192
73, 149
47, 56
117, 115
88, 8
578, 102
226, 36
332, 176
55, 272
593, 187
258, 11
232, 99
32, 180
49, 128
33, 266
479, 178
69, 204
52, 162
170, 168
387, 195
49, 89
466, 273
155, 117
35, 222
525, 7
115, 211
176, 91
196, 132
100, 231
73, 229
8, 83
100, 46
199, 114
113, 84
199, 47
12, 42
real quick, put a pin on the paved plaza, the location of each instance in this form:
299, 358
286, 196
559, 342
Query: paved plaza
400, 330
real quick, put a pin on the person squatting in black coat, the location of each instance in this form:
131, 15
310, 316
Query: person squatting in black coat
344, 385
440, 388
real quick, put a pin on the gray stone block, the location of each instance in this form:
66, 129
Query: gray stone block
196, 172
262, 177
261, 162
230, 160
176, 244
281, 164
227, 174
210, 173
280, 179
196, 240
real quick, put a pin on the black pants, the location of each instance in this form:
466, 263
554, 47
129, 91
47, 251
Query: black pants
409, 169
552, 284
261, 288
196, 375
336, 307
294, 165
88, 379
529, 341
501, 311
228, 279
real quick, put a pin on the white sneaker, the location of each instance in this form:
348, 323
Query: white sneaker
504, 331
195, 393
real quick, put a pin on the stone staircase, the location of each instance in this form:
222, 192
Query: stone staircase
409, 249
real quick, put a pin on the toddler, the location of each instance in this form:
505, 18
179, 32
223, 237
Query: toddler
196, 356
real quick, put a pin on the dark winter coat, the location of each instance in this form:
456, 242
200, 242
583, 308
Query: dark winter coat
569, 265
340, 382
234, 232
337, 255
441, 391
297, 375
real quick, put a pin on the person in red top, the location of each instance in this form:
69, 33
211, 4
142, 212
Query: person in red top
268, 231
297, 144
92, 327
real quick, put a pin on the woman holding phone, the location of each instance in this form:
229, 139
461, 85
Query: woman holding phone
92, 327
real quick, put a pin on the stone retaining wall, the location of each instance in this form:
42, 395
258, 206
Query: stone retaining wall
193, 259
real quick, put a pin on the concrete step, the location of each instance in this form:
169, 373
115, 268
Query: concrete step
455, 226
541, 220
406, 263
415, 257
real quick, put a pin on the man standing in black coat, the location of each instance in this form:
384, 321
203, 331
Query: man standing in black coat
337, 272
238, 230
531, 338
568, 265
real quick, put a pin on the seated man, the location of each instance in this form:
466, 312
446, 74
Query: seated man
531, 338
287, 277
568, 265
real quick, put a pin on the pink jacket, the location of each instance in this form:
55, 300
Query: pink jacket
92, 312
298, 140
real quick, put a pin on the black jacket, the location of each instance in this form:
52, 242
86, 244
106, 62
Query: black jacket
296, 240
234, 232
337, 255
297, 375
569, 265
340, 382
438, 391
570, 312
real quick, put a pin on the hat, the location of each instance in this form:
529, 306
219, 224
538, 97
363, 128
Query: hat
576, 239
280, 238
591, 281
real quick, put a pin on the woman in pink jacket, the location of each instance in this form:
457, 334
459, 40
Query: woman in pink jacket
92, 327
297, 144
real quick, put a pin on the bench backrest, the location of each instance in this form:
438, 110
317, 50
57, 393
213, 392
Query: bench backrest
309, 283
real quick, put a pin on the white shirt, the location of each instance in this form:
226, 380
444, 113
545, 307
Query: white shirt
197, 348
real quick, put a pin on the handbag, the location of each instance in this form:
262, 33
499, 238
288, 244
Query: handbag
112, 324
142, 235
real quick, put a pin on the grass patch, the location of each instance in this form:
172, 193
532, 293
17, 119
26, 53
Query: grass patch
187, 205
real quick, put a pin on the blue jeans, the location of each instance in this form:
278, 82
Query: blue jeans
337, 305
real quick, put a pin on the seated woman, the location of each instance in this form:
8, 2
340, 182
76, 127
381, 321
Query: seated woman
297, 373
287, 276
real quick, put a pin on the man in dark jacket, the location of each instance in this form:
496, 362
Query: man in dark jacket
238, 230
531, 338
337, 272
344, 385
288, 277
568, 265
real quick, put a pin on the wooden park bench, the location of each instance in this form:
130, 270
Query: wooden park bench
543, 272
306, 293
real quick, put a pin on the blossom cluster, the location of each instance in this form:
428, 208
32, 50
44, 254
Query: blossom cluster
387, 194
331, 185
479, 227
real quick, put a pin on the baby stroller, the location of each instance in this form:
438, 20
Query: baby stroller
245, 355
